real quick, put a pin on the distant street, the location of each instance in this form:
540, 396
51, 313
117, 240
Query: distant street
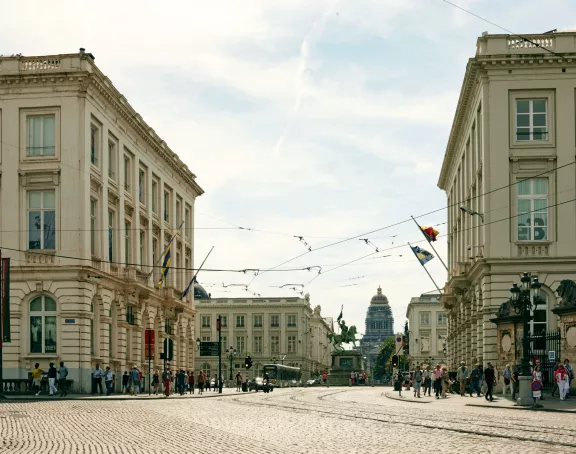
298, 420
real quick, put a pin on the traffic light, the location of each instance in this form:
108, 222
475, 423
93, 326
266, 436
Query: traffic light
248, 362
395, 361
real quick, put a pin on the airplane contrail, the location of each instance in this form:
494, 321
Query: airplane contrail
314, 33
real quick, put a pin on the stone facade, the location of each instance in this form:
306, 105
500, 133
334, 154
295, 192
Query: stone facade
271, 330
89, 198
428, 326
514, 126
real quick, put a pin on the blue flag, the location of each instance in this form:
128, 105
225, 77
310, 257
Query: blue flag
422, 255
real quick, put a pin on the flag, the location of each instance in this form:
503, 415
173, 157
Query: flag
430, 233
422, 255
177, 232
340, 316
165, 268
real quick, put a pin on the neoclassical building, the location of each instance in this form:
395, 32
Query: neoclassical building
271, 330
510, 157
89, 198
428, 325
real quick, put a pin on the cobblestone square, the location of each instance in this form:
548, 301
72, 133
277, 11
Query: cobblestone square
298, 420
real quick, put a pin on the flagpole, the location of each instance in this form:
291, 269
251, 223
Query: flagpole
427, 272
430, 243
198, 270
154, 265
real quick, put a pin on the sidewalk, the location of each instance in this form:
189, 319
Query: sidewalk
552, 404
226, 392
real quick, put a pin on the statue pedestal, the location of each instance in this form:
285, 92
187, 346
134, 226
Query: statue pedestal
343, 364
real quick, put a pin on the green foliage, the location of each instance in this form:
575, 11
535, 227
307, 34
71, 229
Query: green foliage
382, 364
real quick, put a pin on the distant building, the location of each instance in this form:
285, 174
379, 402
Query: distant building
428, 326
271, 330
379, 327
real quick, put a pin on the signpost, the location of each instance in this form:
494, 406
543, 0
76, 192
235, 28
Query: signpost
552, 356
209, 348
149, 340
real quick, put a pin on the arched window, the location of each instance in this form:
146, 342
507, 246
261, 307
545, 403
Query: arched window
42, 325
206, 369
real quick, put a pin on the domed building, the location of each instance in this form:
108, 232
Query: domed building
379, 327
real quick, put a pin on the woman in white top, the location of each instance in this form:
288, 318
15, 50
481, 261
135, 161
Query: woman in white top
536, 384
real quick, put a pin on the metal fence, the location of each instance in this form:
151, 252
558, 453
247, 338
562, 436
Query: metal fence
541, 345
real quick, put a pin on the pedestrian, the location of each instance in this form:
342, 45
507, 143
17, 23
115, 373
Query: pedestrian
515, 382
536, 384
475, 379
108, 378
200, 381
507, 374
557, 366
181, 381
238, 382
166, 378
97, 379
37, 378
437, 380
445, 382
207, 382
570, 372
135, 380
155, 382
52, 380
462, 375
125, 380
417, 381
563, 381
325, 378
427, 380
140, 382
191, 382
62, 375
489, 379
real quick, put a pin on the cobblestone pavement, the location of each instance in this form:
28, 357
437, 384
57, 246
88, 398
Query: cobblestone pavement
297, 420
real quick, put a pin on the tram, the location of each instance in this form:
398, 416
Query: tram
281, 375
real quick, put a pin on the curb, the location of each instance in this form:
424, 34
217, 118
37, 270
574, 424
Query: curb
111, 399
528, 408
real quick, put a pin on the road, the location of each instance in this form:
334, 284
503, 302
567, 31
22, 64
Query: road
298, 420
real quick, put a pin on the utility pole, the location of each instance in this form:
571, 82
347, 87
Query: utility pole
219, 327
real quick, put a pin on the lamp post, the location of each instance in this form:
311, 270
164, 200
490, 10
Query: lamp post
524, 301
198, 344
231, 355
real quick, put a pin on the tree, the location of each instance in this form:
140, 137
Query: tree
382, 364
406, 339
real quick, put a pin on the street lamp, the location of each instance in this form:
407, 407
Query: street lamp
524, 301
197, 344
231, 355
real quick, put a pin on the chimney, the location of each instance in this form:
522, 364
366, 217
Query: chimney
82, 51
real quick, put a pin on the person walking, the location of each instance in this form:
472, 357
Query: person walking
207, 382
515, 382
155, 382
97, 380
570, 372
426, 375
238, 382
507, 374
325, 378
563, 381
417, 381
166, 377
62, 377
536, 384
475, 379
108, 379
125, 381
181, 381
37, 378
52, 380
200, 381
216, 385
557, 366
462, 375
135, 380
191, 382
438, 380
489, 378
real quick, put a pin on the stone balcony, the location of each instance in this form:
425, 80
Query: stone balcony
560, 43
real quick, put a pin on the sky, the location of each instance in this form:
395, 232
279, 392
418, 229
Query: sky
319, 119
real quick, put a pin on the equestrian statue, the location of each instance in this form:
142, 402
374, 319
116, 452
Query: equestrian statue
346, 336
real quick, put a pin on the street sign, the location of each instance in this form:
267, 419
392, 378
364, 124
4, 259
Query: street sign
209, 348
69, 321
552, 356
149, 340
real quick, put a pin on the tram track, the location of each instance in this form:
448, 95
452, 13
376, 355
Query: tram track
518, 429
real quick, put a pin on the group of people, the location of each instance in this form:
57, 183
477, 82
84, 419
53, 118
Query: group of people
61, 373
358, 378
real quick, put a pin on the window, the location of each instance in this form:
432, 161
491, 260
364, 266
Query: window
93, 208
110, 236
424, 318
531, 119
42, 325
239, 321
41, 135
205, 338
291, 321
112, 160
187, 222
142, 186
41, 220
178, 211
533, 210
127, 173
127, 243
154, 197
142, 251
274, 320
166, 206
274, 344
224, 344
206, 369
94, 144
442, 318
240, 344
205, 321
291, 344
539, 324
257, 344
257, 321
224, 321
